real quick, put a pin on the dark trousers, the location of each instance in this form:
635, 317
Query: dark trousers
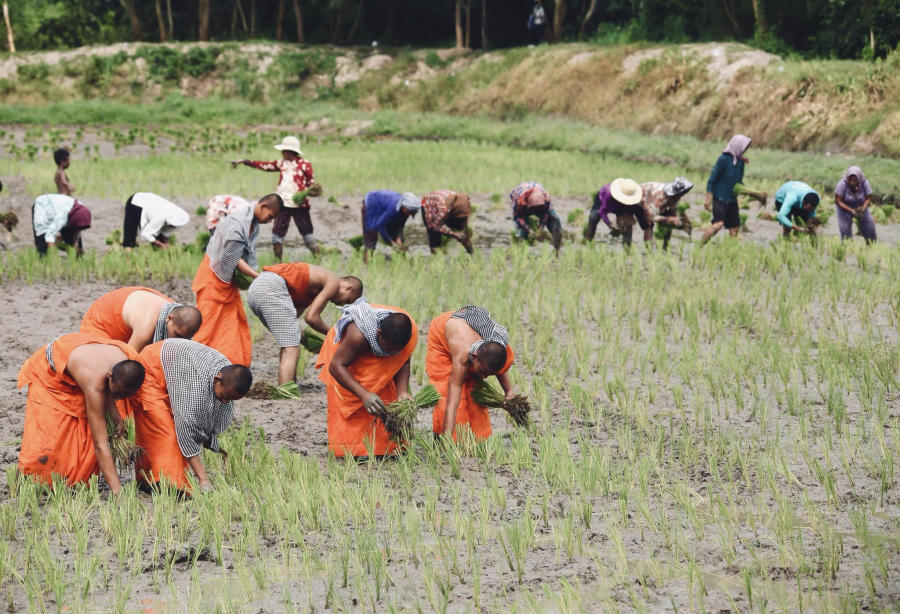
132, 223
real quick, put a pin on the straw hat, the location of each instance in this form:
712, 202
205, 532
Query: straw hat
626, 191
290, 143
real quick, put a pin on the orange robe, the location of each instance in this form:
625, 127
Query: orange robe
296, 274
350, 426
104, 316
154, 426
225, 327
438, 365
57, 437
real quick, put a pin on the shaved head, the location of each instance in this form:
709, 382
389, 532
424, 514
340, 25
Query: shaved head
396, 329
350, 288
126, 378
237, 380
492, 355
184, 322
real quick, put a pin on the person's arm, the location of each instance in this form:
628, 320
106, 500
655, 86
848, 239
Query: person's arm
246, 269
783, 216
840, 203
154, 224
262, 165
353, 345
95, 400
454, 393
866, 203
604, 215
313, 316
401, 380
521, 219
196, 465
505, 384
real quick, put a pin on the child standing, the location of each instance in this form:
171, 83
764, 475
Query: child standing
63, 185
296, 175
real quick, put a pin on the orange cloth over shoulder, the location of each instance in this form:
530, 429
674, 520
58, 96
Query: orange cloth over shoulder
104, 316
350, 426
225, 327
438, 365
296, 274
154, 426
57, 437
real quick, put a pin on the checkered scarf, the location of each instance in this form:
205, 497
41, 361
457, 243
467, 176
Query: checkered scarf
235, 239
480, 320
160, 332
48, 352
190, 369
367, 319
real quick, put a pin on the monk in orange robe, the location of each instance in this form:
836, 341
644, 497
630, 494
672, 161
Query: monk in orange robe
140, 316
72, 383
185, 402
464, 347
365, 365
232, 248
283, 291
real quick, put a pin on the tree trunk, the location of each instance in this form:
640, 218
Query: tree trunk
10, 40
457, 22
203, 19
298, 13
161, 20
559, 18
169, 16
871, 38
730, 14
590, 13
279, 27
759, 15
484, 39
240, 10
468, 41
133, 19
252, 18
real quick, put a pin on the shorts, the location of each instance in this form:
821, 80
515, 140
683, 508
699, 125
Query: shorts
270, 300
282, 222
727, 213
436, 237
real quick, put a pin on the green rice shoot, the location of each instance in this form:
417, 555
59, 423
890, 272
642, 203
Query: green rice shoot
124, 450
288, 390
490, 395
312, 340
400, 416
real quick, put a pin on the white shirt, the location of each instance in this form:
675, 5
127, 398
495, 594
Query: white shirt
156, 213
51, 214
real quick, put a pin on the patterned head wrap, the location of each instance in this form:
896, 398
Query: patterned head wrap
737, 146
367, 320
480, 320
160, 333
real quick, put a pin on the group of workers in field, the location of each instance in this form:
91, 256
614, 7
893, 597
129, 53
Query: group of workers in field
176, 370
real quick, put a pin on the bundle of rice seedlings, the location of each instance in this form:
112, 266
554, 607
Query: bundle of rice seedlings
356, 242
741, 189
284, 391
124, 451
9, 220
259, 390
312, 340
682, 207
400, 416
490, 395
313, 190
241, 280
115, 237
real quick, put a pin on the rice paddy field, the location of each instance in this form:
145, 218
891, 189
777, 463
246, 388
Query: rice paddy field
713, 430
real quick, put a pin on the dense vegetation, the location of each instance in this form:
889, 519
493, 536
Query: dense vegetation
822, 28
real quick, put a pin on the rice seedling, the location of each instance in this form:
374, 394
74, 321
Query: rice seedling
489, 394
400, 416
312, 340
121, 445
288, 390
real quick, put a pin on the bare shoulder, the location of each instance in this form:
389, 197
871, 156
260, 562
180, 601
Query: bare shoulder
143, 305
91, 362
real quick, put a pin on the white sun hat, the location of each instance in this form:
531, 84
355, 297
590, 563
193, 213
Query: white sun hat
626, 191
290, 143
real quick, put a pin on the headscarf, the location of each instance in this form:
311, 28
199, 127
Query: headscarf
737, 146
855, 171
410, 202
367, 320
79, 216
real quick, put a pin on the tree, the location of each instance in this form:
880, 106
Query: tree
592, 8
559, 19
133, 18
759, 15
457, 22
298, 14
10, 41
279, 26
203, 10
163, 32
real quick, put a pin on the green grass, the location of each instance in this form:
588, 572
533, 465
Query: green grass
706, 436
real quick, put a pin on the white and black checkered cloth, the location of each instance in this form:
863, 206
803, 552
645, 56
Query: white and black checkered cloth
48, 352
367, 320
235, 239
190, 369
480, 320
160, 332
270, 300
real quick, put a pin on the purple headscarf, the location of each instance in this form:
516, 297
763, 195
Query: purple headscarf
737, 146
855, 171
79, 216
863, 189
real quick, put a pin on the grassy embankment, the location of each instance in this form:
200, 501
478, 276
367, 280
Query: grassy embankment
715, 438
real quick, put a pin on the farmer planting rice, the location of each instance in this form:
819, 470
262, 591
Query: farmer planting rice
155, 217
727, 172
852, 197
446, 213
661, 206
185, 402
73, 382
531, 199
140, 316
623, 198
231, 250
294, 181
796, 201
283, 291
464, 347
219, 207
385, 213
364, 364
57, 216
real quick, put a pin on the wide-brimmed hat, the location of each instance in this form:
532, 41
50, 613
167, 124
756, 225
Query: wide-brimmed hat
290, 143
678, 187
626, 191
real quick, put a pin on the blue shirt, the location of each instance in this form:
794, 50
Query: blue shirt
383, 213
791, 195
724, 176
